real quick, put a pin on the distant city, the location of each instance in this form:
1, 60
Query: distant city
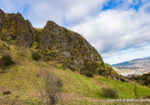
134, 67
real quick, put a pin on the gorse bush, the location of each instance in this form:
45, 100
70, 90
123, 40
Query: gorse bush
6, 61
109, 93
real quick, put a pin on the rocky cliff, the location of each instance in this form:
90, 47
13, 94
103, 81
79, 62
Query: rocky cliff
53, 43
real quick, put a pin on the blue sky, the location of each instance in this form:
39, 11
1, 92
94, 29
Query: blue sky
118, 29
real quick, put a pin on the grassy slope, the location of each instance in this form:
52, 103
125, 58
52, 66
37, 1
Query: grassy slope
24, 84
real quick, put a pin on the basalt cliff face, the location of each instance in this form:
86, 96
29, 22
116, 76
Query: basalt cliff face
52, 43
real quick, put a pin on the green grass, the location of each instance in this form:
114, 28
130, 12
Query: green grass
91, 87
21, 79
126, 90
79, 84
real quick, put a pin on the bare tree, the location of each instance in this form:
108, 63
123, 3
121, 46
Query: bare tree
52, 86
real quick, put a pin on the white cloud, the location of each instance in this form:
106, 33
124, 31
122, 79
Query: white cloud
114, 31
57, 10
126, 55
80, 9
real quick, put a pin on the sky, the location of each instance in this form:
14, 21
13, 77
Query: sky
118, 29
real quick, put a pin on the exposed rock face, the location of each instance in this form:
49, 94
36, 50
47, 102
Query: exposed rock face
1, 16
69, 47
16, 30
53, 43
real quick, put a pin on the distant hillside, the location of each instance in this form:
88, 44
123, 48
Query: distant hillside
135, 61
122, 64
134, 67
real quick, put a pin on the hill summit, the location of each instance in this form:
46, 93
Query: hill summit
53, 43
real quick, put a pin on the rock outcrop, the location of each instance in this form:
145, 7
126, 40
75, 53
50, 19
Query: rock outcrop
15, 30
66, 46
53, 43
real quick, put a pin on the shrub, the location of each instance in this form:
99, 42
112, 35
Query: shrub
88, 69
109, 93
105, 70
87, 73
36, 56
6, 61
52, 87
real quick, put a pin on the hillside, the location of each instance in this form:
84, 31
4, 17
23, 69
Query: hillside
54, 65
133, 67
24, 83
